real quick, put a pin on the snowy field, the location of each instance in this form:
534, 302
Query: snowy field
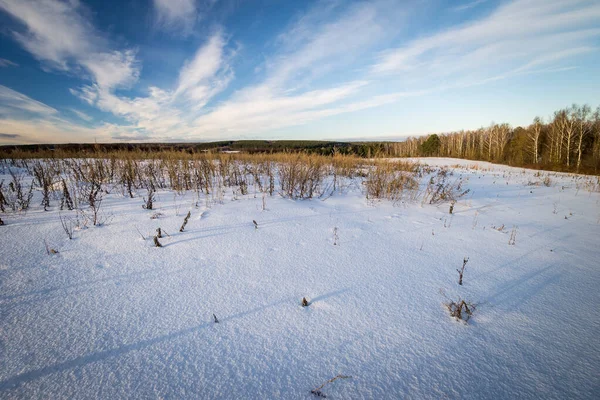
111, 316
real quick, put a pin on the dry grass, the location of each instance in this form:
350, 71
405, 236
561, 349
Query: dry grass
81, 180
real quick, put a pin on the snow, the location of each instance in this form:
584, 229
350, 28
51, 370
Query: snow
110, 316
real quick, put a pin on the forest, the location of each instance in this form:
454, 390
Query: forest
568, 141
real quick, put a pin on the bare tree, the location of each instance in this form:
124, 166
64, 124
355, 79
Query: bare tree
534, 133
559, 124
583, 128
596, 130
569, 131
503, 133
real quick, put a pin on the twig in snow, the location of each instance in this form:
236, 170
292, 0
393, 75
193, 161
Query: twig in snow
513, 236
50, 250
143, 237
67, 226
462, 270
185, 221
317, 392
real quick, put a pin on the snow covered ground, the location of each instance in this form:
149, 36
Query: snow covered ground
110, 316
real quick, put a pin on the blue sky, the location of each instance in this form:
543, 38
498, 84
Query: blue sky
198, 70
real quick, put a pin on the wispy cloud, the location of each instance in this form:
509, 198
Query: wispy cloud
469, 5
206, 74
81, 114
520, 34
14, 102
51, 130
25, 120
9, 136
56, 33
176, 15
313, 45
163, 112
308, 49
7, 63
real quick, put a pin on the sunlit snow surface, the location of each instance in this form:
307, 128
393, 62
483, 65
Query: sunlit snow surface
112, 317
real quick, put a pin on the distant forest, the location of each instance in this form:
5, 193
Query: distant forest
568, 141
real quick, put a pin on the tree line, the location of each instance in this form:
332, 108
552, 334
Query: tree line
569, 140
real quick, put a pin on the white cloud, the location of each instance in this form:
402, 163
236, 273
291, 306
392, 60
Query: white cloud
469, 5
165, 112
7, 63
313, 45
57, 34
112, 69
177, 15
514, 35
55, 31
206, 74
14, 102
25, 120
317, 43
53, 130
81, 114
255, 111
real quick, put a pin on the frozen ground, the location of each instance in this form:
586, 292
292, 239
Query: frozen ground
111, 317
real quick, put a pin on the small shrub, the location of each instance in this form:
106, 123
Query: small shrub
391, 180
43, 175
66, 199
95, 201
3, 201
18, 198
461, 310
150, 200
547, 181
440, 189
